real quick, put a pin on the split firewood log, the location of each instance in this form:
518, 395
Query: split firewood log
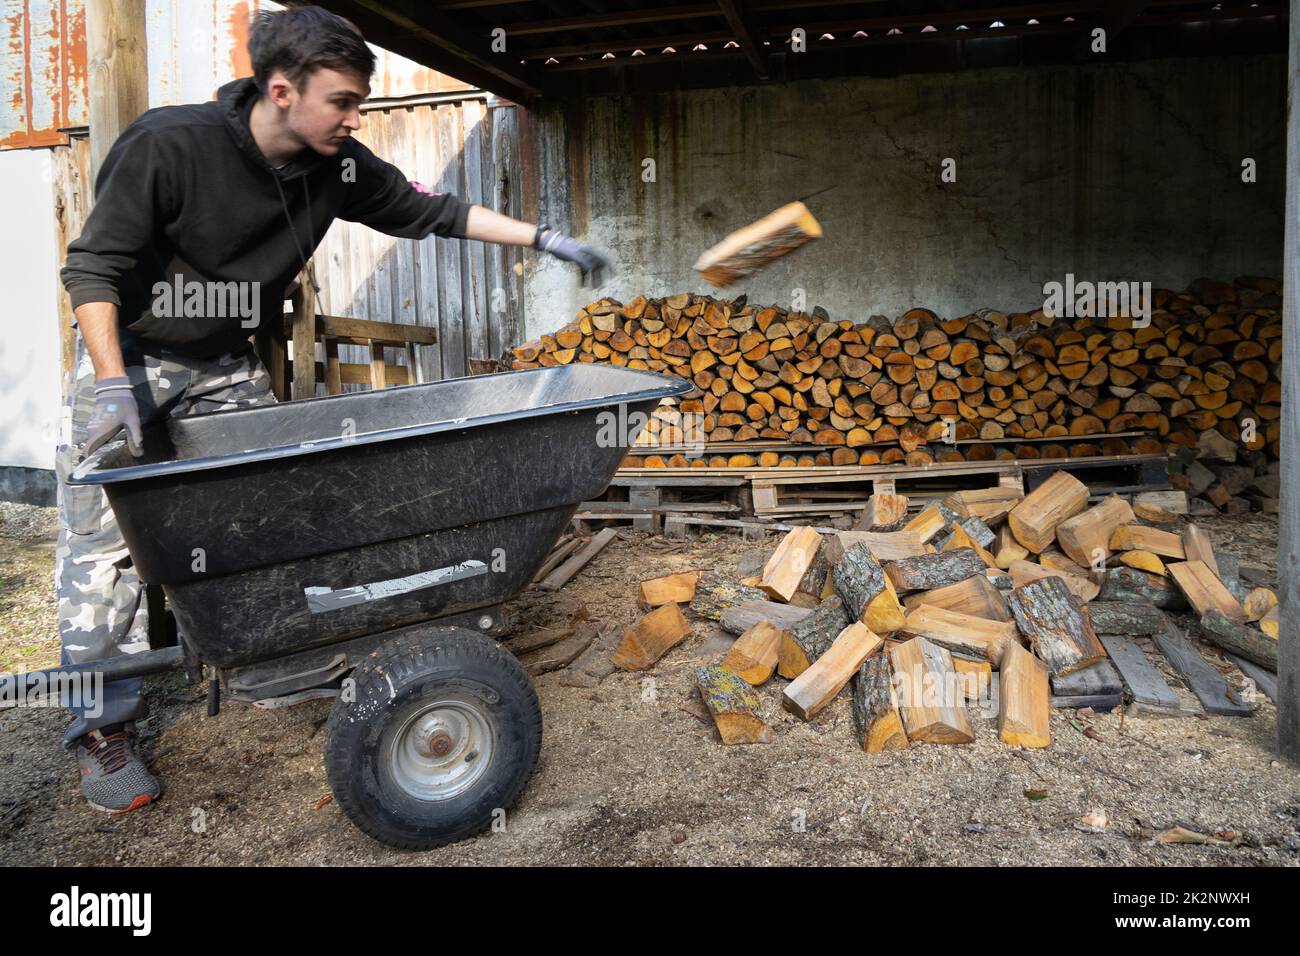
650, 638
817, 686
1055, 626
930, 697
735, 708
875, 708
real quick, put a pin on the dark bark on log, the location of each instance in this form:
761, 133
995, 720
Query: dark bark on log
858, 578
1127, 585
1113, 617
739, 619
814, 579
929, 571
809, 638
1249, 643
875, 713
1057, 630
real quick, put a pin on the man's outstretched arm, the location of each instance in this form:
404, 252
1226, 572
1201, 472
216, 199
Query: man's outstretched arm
385, 200
489, 226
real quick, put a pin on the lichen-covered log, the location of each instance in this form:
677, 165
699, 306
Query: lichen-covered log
1130, 619
1129, 584
929, 571
1057, 629
960, 539
714, 594
736, 709
810, 637
875, 710
739, 619
1246, 641
978, 531
866, 591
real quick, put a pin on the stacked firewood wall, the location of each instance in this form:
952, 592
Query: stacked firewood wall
922, 388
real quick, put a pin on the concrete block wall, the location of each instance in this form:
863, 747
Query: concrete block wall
1111, 172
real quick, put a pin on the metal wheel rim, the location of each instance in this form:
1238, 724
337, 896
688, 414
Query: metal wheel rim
441, 750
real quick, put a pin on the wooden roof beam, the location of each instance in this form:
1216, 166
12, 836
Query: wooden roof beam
623, 18
450, 42
756, 55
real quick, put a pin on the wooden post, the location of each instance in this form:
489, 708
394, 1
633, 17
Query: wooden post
117, 72
1288, 650
304, 338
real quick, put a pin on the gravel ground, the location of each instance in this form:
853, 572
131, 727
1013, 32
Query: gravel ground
632, 772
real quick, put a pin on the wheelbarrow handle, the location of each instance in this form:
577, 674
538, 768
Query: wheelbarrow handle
116, 668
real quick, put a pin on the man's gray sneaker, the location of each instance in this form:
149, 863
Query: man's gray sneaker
113, 778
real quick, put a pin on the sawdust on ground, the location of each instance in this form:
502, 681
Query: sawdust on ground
632, 772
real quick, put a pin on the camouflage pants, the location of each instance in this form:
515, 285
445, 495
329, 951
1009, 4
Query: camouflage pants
102, 611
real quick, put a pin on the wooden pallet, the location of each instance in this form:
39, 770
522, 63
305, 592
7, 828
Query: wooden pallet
799, 494
713, 448
828, 490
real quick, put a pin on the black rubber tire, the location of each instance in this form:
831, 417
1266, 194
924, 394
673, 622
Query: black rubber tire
391, 684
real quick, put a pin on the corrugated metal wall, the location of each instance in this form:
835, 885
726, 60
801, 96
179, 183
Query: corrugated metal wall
197, 45
194, 46
469, 291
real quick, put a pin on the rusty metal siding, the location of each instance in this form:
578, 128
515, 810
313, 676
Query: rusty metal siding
42, 71
195, 47
471, 292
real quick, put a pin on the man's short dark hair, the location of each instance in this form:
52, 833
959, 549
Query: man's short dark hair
298, 41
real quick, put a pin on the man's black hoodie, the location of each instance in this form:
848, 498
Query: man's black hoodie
186, 191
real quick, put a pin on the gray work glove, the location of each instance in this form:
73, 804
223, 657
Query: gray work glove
592, 264
115, 409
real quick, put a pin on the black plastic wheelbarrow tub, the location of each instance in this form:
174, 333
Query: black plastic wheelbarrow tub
285, 527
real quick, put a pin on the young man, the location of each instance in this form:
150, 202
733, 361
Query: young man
234, 195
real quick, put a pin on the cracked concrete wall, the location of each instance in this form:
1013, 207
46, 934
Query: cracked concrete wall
1120, 172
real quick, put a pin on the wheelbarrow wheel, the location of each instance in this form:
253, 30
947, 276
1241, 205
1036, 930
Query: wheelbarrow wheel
437, 739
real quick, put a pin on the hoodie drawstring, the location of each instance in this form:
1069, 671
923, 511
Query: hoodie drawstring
311, 234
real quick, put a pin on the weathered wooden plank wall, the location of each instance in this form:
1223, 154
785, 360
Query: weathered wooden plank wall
469, 291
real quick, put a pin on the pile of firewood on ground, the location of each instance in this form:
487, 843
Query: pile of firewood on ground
987, 588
